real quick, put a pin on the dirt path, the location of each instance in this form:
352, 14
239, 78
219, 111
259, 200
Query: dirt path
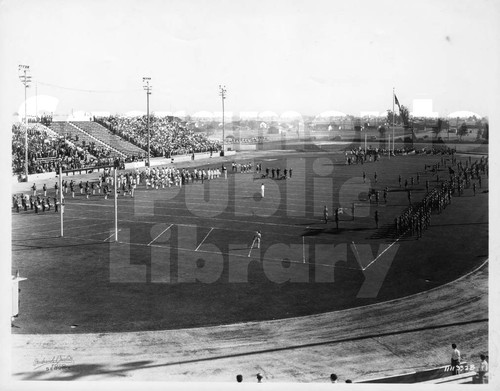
382, 339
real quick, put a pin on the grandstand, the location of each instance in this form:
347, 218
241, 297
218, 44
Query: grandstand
84, 133
169, 136
115, 142
83, 144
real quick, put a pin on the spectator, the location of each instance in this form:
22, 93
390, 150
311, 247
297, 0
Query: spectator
168, 135
46, 152
483, 369
455, 358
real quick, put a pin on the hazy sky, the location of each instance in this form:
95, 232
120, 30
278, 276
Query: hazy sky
306, 56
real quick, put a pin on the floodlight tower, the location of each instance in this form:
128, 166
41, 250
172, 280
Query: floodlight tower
148, 89
222, 93
26, 80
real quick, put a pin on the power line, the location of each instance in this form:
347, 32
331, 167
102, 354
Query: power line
89, 91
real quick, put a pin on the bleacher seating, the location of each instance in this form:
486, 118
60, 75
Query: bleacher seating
81, 139
48, 147
105, 136
45, 129
168, 135
64, 129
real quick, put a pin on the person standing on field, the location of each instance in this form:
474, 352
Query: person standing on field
256, 241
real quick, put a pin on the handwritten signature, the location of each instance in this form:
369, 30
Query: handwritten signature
54, 362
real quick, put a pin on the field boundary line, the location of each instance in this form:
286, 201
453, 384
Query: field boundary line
206, 236
110, 236
162, 232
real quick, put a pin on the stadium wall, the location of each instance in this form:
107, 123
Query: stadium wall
178, 159
245, 147
42, 176
128, 166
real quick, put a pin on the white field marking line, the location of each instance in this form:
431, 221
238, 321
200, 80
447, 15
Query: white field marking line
173, 201
46, 222
95, 233
193, 225
162, 215
162, 232
198, 225
382, 253
356, 251
65, 228
206, 236
195, 217
109, 237
246, 256
170, 207
221, 253
90, 204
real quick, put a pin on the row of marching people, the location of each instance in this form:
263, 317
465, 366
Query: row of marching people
417, 217
25, 202
168, 177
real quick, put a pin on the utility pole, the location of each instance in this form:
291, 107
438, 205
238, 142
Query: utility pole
222, 93
116, 203
393, 121
26, 80
61, 199
36, 100
148, 88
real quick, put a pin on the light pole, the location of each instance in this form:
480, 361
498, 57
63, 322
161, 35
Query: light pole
222, 93
26, 80
148, 88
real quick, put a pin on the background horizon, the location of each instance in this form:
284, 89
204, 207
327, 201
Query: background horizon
307, 57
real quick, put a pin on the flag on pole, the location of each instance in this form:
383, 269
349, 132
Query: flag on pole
397, 101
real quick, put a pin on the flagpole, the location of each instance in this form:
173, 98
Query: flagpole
393, 117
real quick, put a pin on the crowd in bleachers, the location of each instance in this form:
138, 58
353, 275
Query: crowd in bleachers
168, 136
45, 150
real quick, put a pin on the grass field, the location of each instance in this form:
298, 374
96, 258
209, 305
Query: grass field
182, 255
